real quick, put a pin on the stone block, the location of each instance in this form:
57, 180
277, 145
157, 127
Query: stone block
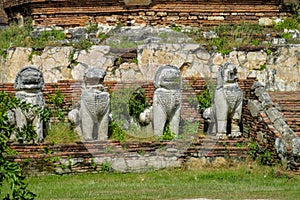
137, 165
280, 125
150, 13
137, 2
192, 17
280, 146
296, 146
203, 54
265, 21
172, 18
162, 14
119, 164
254, 107
273, 114
215, 18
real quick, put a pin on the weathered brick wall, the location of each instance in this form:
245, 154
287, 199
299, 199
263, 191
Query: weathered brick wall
126, 157
139, 156
160, 12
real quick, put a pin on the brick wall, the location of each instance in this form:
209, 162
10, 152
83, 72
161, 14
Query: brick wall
126, 157
88, 156
68, 13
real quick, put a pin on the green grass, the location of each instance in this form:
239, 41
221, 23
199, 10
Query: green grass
61, 133
244, 182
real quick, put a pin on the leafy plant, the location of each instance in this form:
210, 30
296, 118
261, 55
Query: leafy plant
93, 163
255, 42
10, 171
102, 36
204, 99
262, 67
57, 102
268, 51
286, 35
137, 103
72, 58
91, 27
83, 44
287, 23
52, 35
176, 28
106, 166
265, 158
116, 132
135, 60
239, 144
221, 45
253, 149
167, 134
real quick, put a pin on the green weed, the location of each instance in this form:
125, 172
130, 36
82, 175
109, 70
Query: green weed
287, 23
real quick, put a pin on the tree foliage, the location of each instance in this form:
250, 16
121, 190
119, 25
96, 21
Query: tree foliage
11, 171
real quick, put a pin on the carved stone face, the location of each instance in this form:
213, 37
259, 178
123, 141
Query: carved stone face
94, 76
29, 78
230, 73
168, 77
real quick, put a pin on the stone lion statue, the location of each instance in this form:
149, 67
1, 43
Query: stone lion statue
92, 118
29, 84
225, 114
167, 99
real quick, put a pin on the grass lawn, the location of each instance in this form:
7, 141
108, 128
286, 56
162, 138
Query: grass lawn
242, 182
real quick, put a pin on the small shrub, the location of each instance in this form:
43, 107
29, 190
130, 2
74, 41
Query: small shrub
262, 67
54, 34
167, 134
239, 144
253, 149
83, 44
265, 159
221, 45
268, 51
137, 103
135, 60
255, 42
176, 28
286, 36
102, 36
287, 23
93, 163
116, 132
91, 27
56, 100
204, 99
106, 167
